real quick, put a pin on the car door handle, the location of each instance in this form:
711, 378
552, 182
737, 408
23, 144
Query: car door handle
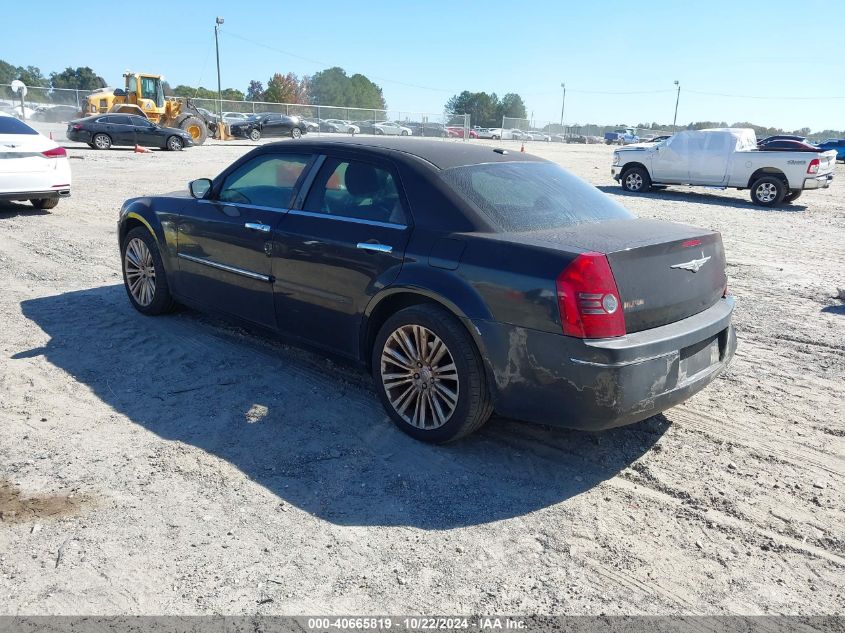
378, 248
264, 228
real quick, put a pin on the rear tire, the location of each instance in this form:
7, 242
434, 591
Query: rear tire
143, 267
45, 203
635, 180
792, 196
101, 141
429, 375
768, 191
296, 132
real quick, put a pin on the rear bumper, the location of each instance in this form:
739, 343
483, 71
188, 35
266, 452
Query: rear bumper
35, 195
819, 182
603, 383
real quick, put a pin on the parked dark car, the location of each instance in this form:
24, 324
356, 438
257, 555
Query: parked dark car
270, 124
782, 137
468, 279
834, 143
787, 145
103, 131
57, 114
431, 130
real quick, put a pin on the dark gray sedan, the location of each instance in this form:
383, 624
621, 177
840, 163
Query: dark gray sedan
467, 279
103, 131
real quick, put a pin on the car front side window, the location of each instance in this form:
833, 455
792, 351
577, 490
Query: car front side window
267, 181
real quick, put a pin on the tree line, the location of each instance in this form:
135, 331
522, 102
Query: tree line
486, 110
331, 86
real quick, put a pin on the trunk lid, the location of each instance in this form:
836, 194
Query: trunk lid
664, 271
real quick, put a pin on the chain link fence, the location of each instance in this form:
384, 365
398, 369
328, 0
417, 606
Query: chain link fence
60, 105
335, 119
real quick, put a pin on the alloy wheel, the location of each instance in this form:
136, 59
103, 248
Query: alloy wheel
420, 377
140, 271
634, 181
766, 192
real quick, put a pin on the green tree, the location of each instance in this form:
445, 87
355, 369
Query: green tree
482, 108
31, 76
232, 94
511, 106
82, 78
255, 91
282, 88
333, 87
8, 73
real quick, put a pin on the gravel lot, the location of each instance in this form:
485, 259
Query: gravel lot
181, 465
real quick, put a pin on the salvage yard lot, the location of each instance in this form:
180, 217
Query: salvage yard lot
184, 465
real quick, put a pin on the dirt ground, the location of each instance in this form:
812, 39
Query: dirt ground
181, 465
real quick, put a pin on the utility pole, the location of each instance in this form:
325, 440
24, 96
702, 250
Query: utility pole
677, 98
563, 109
217, 22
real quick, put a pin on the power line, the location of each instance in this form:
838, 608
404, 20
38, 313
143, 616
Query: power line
764, 97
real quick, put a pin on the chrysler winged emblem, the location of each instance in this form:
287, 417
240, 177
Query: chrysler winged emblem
693, 265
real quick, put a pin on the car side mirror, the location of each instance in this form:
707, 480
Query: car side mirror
199, 187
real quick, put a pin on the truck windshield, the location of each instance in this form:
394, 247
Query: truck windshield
526, 196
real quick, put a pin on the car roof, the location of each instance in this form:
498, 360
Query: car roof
442, 154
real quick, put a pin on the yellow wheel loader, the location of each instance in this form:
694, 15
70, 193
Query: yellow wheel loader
143, 95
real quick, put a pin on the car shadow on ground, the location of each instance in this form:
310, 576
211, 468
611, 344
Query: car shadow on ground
309, 430
13, 209
840, 309
697, 197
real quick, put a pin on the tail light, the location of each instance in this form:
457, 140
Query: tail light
77, 126
813, 167
56, 152
588, 299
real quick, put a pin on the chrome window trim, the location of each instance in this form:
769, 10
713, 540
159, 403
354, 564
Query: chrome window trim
245, 206
230, 269
342, 218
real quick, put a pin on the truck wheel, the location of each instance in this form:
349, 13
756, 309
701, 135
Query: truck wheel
196, 128
793, 195
768, 191
636, 180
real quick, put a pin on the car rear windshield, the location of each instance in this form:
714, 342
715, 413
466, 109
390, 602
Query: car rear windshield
523, 196
11, 125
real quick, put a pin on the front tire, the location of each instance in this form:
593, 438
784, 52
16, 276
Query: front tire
144, 276
196, 128
768, 191
429, 375
636, 180
254, 135
101, 141
45, 203
296, 132
174, 144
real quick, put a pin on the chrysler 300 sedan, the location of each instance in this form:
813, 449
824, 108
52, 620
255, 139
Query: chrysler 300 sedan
467, 279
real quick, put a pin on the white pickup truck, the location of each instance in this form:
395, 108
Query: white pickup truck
723, 158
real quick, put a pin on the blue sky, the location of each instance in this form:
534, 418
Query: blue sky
786, 54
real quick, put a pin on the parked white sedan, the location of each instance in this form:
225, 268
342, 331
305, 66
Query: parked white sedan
339, 125
32, 167
392, 129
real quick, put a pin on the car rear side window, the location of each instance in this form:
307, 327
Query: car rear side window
356, 190
268, 181
525, 196
11, 125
